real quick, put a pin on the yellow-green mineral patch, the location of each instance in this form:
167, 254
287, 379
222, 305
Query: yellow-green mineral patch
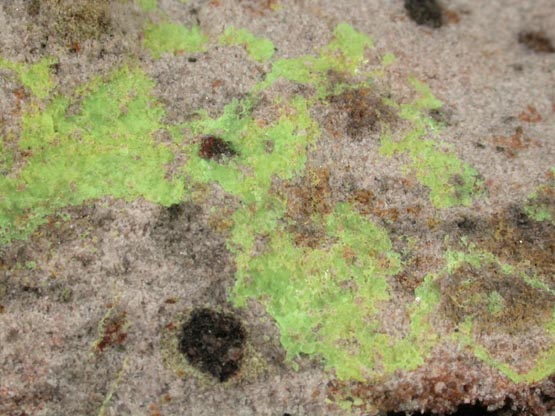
148, 5
35, 77
174, 38
451, 181
259, 49
344, 54
541, 203
6, 159
324, 300
289, 137
105, 148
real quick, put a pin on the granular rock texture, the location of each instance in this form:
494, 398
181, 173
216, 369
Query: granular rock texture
277, 207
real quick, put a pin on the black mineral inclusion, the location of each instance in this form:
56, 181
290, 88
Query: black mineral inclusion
213, 342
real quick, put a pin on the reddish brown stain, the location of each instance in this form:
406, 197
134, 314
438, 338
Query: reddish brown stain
512, 145
217, 84
309, 199
530, 115
215, 148
259, 7
113, 334
451, 17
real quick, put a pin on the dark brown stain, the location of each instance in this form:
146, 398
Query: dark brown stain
365, 111
536, 41
517, 239
466, 294
215, 148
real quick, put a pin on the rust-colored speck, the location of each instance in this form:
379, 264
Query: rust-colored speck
530, 115
114, 334
511, 145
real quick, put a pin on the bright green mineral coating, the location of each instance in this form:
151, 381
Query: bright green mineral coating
451, 181
249, 174
148, 5
259, 49
325, 300
541, 203
346, 51
35, 77
344, 54
496, 303
174, 38
322, 300
6, 158
104, 149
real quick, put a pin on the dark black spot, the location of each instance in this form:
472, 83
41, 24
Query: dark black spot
476, 409
472, 410
424, 12
213, 342
192, 59
467, 224
536, 41
32, 289
55, 68
269, 146
521, 219
518, 67
175, 211
214, 148
441, 115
